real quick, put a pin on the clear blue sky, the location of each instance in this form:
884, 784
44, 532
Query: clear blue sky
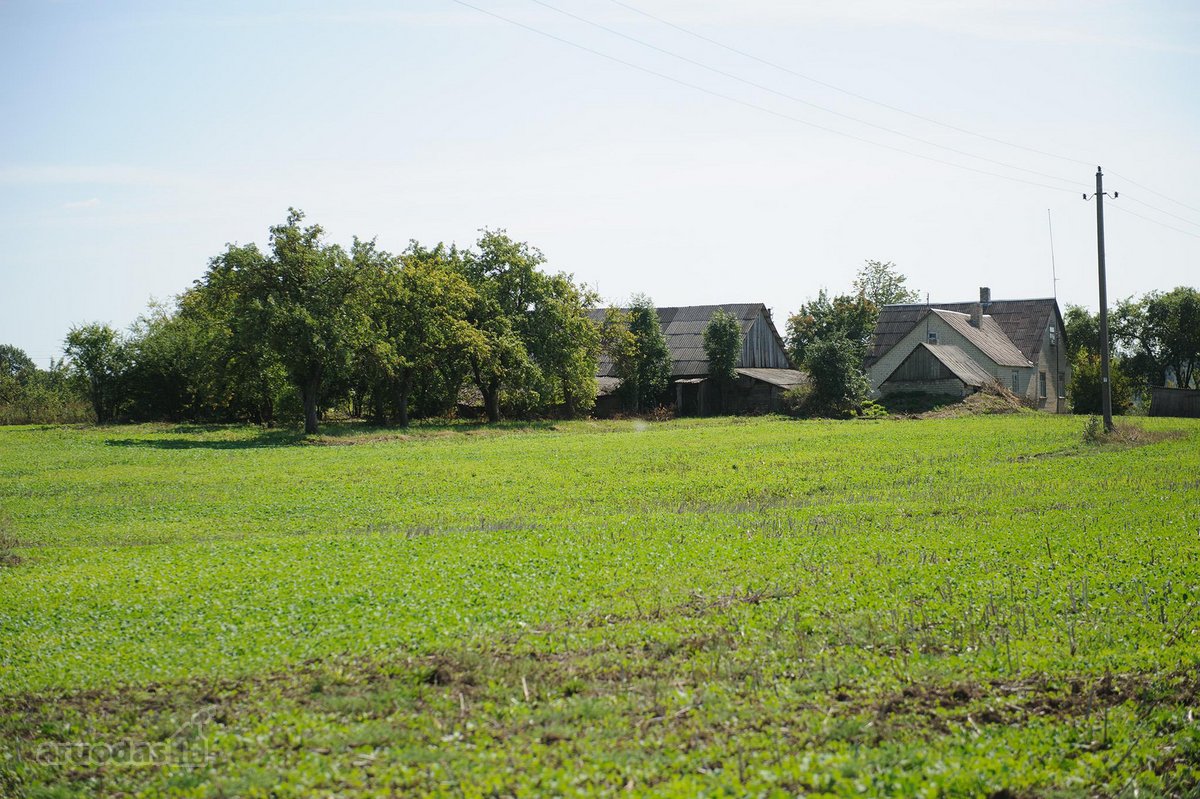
138, 138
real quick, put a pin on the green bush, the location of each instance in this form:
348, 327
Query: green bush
837, 387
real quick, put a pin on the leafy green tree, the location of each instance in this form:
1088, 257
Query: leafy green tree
1082, 328
14, 361
852, 316
505, 277
882, 284
98, 355
640, 355
1084, 391
234, 373
163, 362
539, 348
565, 343
1163, 332
15, 370
837, 385
43, 396
723, 348
419, 310
302, 300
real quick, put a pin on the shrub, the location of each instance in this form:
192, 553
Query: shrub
838, 388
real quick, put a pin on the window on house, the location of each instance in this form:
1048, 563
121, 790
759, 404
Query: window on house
932, 336
1041, 385
1062, 385
1016, 382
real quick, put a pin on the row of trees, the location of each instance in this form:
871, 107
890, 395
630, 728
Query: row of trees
305, 326
1155, 342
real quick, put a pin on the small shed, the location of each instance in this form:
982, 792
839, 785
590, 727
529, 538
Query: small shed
1174, 402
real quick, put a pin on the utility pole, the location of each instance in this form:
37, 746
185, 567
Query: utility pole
1105, 375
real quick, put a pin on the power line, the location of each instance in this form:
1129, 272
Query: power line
1155, 193
897, 109
1161, 211
800, 100
844, 91
755, 106
1155, 221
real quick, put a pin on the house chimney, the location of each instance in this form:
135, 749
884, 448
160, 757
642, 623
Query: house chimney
977, 314
985, 296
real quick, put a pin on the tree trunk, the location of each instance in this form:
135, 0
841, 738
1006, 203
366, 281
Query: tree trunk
491, 399
568, 400
98, 402
378, 409
309, 393
402, 390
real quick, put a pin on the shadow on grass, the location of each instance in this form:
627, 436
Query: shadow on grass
267, 438
196, 436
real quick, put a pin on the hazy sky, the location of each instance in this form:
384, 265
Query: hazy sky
136, 139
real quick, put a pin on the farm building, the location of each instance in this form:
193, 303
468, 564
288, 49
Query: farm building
955, 348
1174, 402
764, 369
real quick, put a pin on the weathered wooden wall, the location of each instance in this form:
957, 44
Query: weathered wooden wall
1174, 402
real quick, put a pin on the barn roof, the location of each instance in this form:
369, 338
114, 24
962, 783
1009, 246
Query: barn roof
1022, 321
683, 326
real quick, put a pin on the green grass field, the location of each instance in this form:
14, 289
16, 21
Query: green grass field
980, 606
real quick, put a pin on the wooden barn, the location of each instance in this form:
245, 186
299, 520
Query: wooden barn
764, 369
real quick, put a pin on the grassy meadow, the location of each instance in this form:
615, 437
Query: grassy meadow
978, 606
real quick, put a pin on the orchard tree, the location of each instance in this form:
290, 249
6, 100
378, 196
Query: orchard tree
14, 361
236, 373
723, 347
538, 344
1084, 391
16, 368
419, 305
506, 280
303, 301
565, 343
